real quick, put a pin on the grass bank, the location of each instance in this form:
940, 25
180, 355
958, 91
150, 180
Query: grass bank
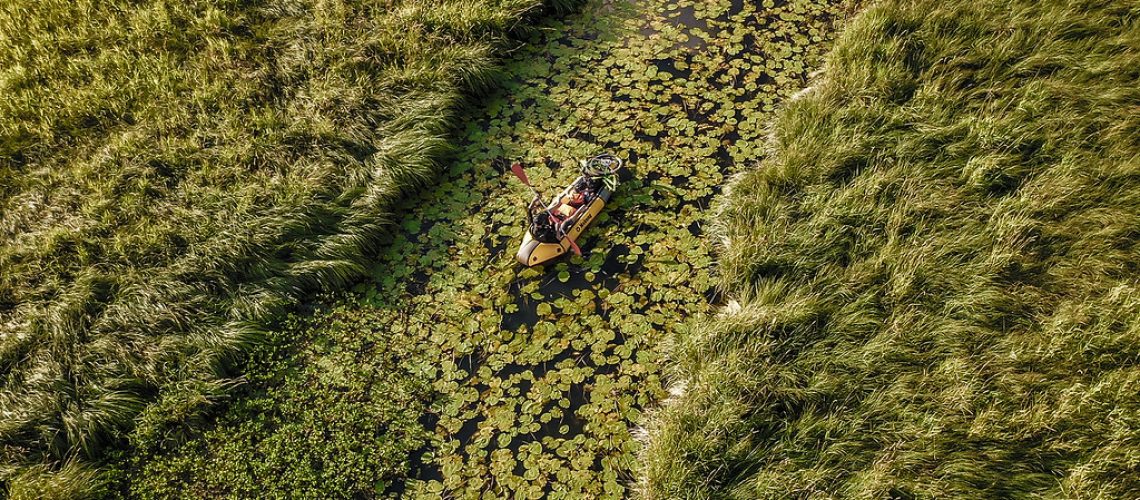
934, 270
173, 175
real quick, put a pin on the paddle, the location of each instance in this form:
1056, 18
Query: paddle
574, 246
517, 168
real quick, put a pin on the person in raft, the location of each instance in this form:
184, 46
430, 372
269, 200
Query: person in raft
546, 225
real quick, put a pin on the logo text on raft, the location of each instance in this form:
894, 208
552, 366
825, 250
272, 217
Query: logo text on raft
589, 216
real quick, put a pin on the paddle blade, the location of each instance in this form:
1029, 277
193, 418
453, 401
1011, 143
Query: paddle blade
517, 168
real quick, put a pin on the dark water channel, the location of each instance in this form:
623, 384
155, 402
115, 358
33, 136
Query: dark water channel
547, 371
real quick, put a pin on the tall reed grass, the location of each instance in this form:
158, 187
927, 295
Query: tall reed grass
934, 271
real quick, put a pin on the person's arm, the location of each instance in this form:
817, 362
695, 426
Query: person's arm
535, 207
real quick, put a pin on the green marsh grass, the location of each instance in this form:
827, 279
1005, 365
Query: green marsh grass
934, 270
175, 175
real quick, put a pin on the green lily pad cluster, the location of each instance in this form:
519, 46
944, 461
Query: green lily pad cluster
545, 371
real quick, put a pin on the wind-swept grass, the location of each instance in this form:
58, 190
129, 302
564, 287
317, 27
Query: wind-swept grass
935, 271
172, 175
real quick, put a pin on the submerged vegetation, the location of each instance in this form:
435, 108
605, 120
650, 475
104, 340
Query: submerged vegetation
933, 271
541, 375
174, 174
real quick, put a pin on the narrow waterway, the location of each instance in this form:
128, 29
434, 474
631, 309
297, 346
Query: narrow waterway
546, 371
